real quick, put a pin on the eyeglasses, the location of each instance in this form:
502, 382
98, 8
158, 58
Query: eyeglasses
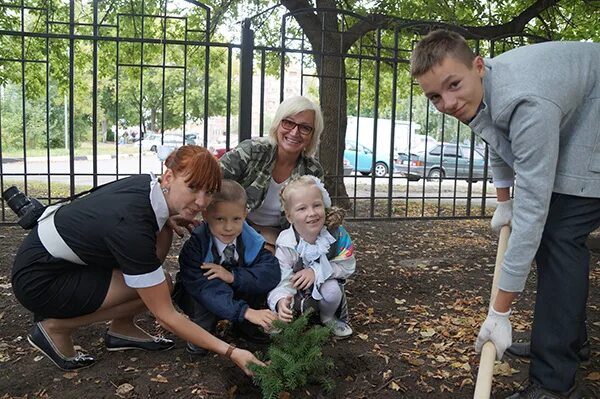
304, 130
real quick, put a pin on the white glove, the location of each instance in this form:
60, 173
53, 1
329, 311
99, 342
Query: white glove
495, 328
502, 215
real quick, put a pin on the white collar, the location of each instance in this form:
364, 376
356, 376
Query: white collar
221, 247
311, 252
158, 202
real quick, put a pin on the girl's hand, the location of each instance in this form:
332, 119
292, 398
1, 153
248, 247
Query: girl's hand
303, 279
217, 271
242, 358
261, 317
284, 309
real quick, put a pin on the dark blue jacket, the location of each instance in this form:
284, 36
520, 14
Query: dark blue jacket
258, 274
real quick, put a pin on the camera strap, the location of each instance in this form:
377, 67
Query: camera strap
51, 239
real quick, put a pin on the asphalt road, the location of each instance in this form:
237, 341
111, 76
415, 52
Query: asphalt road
110, 168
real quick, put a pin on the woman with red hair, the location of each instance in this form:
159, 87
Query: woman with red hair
99, 258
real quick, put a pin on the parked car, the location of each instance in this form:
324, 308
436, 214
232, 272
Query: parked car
443, 160
360, 159
347, 168
218, 152
152, 141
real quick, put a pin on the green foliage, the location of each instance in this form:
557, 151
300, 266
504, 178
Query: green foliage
130, 77
296, 358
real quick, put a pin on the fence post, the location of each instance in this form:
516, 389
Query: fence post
246, 63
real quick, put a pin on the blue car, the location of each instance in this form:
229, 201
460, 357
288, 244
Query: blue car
361, 160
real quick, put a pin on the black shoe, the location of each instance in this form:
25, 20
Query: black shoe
523, 349
39, 339
195, 350
534, 391
118, 342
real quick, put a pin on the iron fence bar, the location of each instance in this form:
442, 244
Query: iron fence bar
162, 82
261, 118
206, 83
391, 164
94, 96
22, 60
142, 69
228, 101
23, 99
455, 164
82, 37
282, 61
47, 70
72, 95
185, 74
2, 211
375, 120
246, 64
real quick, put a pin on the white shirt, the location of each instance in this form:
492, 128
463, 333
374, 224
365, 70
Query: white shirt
269, 212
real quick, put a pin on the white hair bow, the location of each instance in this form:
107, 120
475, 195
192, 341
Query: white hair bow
325, 194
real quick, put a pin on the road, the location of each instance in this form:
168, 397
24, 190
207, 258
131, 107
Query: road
37, 168
109, 167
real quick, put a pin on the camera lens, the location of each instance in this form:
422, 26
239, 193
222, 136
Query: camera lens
16, 200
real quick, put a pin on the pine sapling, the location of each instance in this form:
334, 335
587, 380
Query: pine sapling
296, 359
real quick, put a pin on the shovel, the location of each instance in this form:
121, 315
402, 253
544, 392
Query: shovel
483, 385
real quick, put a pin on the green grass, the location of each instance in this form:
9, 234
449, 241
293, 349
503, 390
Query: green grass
39, 189
85, 148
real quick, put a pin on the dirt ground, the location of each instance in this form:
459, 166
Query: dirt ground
418, 296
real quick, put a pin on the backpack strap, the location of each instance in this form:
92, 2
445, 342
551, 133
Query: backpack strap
335, 232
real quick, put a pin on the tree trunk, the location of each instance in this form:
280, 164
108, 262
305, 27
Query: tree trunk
332, 84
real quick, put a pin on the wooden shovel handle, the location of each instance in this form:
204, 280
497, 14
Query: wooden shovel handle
485, 374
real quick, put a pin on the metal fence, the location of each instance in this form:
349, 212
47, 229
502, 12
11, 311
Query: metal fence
88, 91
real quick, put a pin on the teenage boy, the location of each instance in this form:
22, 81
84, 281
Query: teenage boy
225, 271
538, 108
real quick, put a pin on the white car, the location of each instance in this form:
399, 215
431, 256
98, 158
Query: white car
152, 141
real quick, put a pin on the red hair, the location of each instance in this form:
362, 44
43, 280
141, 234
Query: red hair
198, 165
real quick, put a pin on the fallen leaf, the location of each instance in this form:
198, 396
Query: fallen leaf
124, 389
430, 332
394, 386
593, 376
416, 362
364, 337
159, 378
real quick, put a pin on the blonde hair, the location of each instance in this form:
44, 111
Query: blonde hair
291, 106
231, 191
334, 216
435, 47
198, 165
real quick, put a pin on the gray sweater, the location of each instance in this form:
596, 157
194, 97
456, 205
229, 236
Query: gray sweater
541, 118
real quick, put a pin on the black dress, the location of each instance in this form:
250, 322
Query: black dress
113, 227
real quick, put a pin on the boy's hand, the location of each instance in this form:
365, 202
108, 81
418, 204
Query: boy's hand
217, 271
303, 279
180, 224
261, 317
284, 309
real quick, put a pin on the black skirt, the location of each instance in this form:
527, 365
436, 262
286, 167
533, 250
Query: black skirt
55, 288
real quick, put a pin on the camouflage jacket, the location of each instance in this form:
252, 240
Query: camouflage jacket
251, 164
